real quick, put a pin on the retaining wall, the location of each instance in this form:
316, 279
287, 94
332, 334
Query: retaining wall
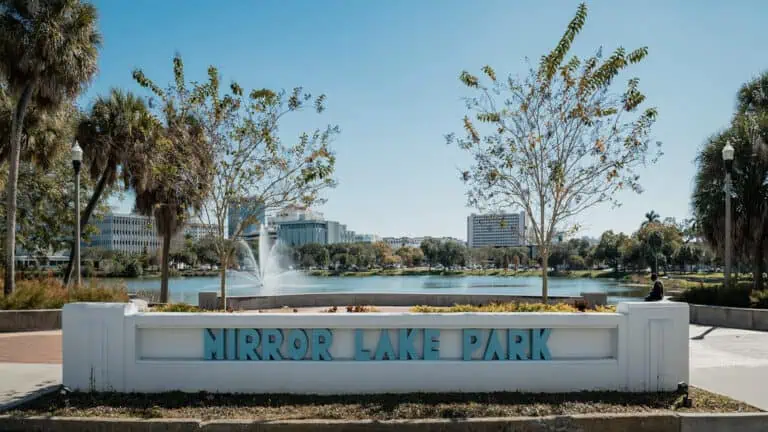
30, 320
209, 300
644, 422
113, 347
720, 316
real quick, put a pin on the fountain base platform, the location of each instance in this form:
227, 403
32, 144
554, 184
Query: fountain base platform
211, 301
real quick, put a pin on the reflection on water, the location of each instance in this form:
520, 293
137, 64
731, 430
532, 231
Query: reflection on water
186, 289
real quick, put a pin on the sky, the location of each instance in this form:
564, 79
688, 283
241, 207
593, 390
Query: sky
390, 72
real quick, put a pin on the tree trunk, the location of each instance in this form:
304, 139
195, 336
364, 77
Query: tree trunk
223, 281
164, 272
544, 276
100, 186
17, 127
759, 267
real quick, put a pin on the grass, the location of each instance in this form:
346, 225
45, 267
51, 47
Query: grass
509, 307
50, 293
208, 406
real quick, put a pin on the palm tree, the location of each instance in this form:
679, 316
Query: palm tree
752, 107
177, 182
45, 132
749, 197
651, 217
48, 51
113, 135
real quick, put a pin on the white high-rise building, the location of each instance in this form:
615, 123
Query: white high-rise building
496, 230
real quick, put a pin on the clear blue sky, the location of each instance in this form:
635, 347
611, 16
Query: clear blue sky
390, 68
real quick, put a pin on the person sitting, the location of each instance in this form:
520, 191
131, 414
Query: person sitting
657, 292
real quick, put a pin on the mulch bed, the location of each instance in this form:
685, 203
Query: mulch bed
208, 406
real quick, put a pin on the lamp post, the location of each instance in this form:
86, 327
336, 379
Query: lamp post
77, 158
728, 159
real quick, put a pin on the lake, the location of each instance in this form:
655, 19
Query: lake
186, 289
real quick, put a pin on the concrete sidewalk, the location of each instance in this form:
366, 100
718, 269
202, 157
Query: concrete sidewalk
30, 365
730, 362
20, 382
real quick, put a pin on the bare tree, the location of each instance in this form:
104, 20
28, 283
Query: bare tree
557, 141
253, 170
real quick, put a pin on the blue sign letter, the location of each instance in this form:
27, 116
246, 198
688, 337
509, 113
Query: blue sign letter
384, 347
213, 344
431, 344
405, 344
321, 343
471, 343
247, 342
271, 341
539, 349
360, 353
230, 343
297, 344
493, 349
517, 344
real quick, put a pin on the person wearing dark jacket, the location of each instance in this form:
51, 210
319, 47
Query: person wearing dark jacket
657, 292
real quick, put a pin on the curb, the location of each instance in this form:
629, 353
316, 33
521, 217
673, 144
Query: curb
730, 317
655, 422
12, 321
28, 398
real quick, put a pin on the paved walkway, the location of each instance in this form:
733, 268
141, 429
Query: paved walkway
726, 361
30, 364
32, 347
731, 362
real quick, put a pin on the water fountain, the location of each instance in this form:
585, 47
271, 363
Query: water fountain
265, 273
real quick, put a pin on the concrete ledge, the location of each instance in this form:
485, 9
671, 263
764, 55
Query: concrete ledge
721, 316
651, 422
30, 320
747, 422
662, 422
373, 299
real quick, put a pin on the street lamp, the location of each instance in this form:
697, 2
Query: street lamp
728, 159
77, 158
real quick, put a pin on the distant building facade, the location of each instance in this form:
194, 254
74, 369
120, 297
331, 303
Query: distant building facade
237, 213
398, 242
135, 234
415, 242
496, 230
367, 238
297, 226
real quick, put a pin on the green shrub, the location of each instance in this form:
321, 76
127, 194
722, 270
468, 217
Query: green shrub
133, 269
733, 295
52, 294
760, 299
89, 269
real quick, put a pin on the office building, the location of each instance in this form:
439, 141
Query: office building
367, 238
398, 242
496, 230
238, 213
197, 231
132, 233
297, 226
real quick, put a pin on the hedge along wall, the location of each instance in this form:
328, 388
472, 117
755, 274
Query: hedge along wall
643, 347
